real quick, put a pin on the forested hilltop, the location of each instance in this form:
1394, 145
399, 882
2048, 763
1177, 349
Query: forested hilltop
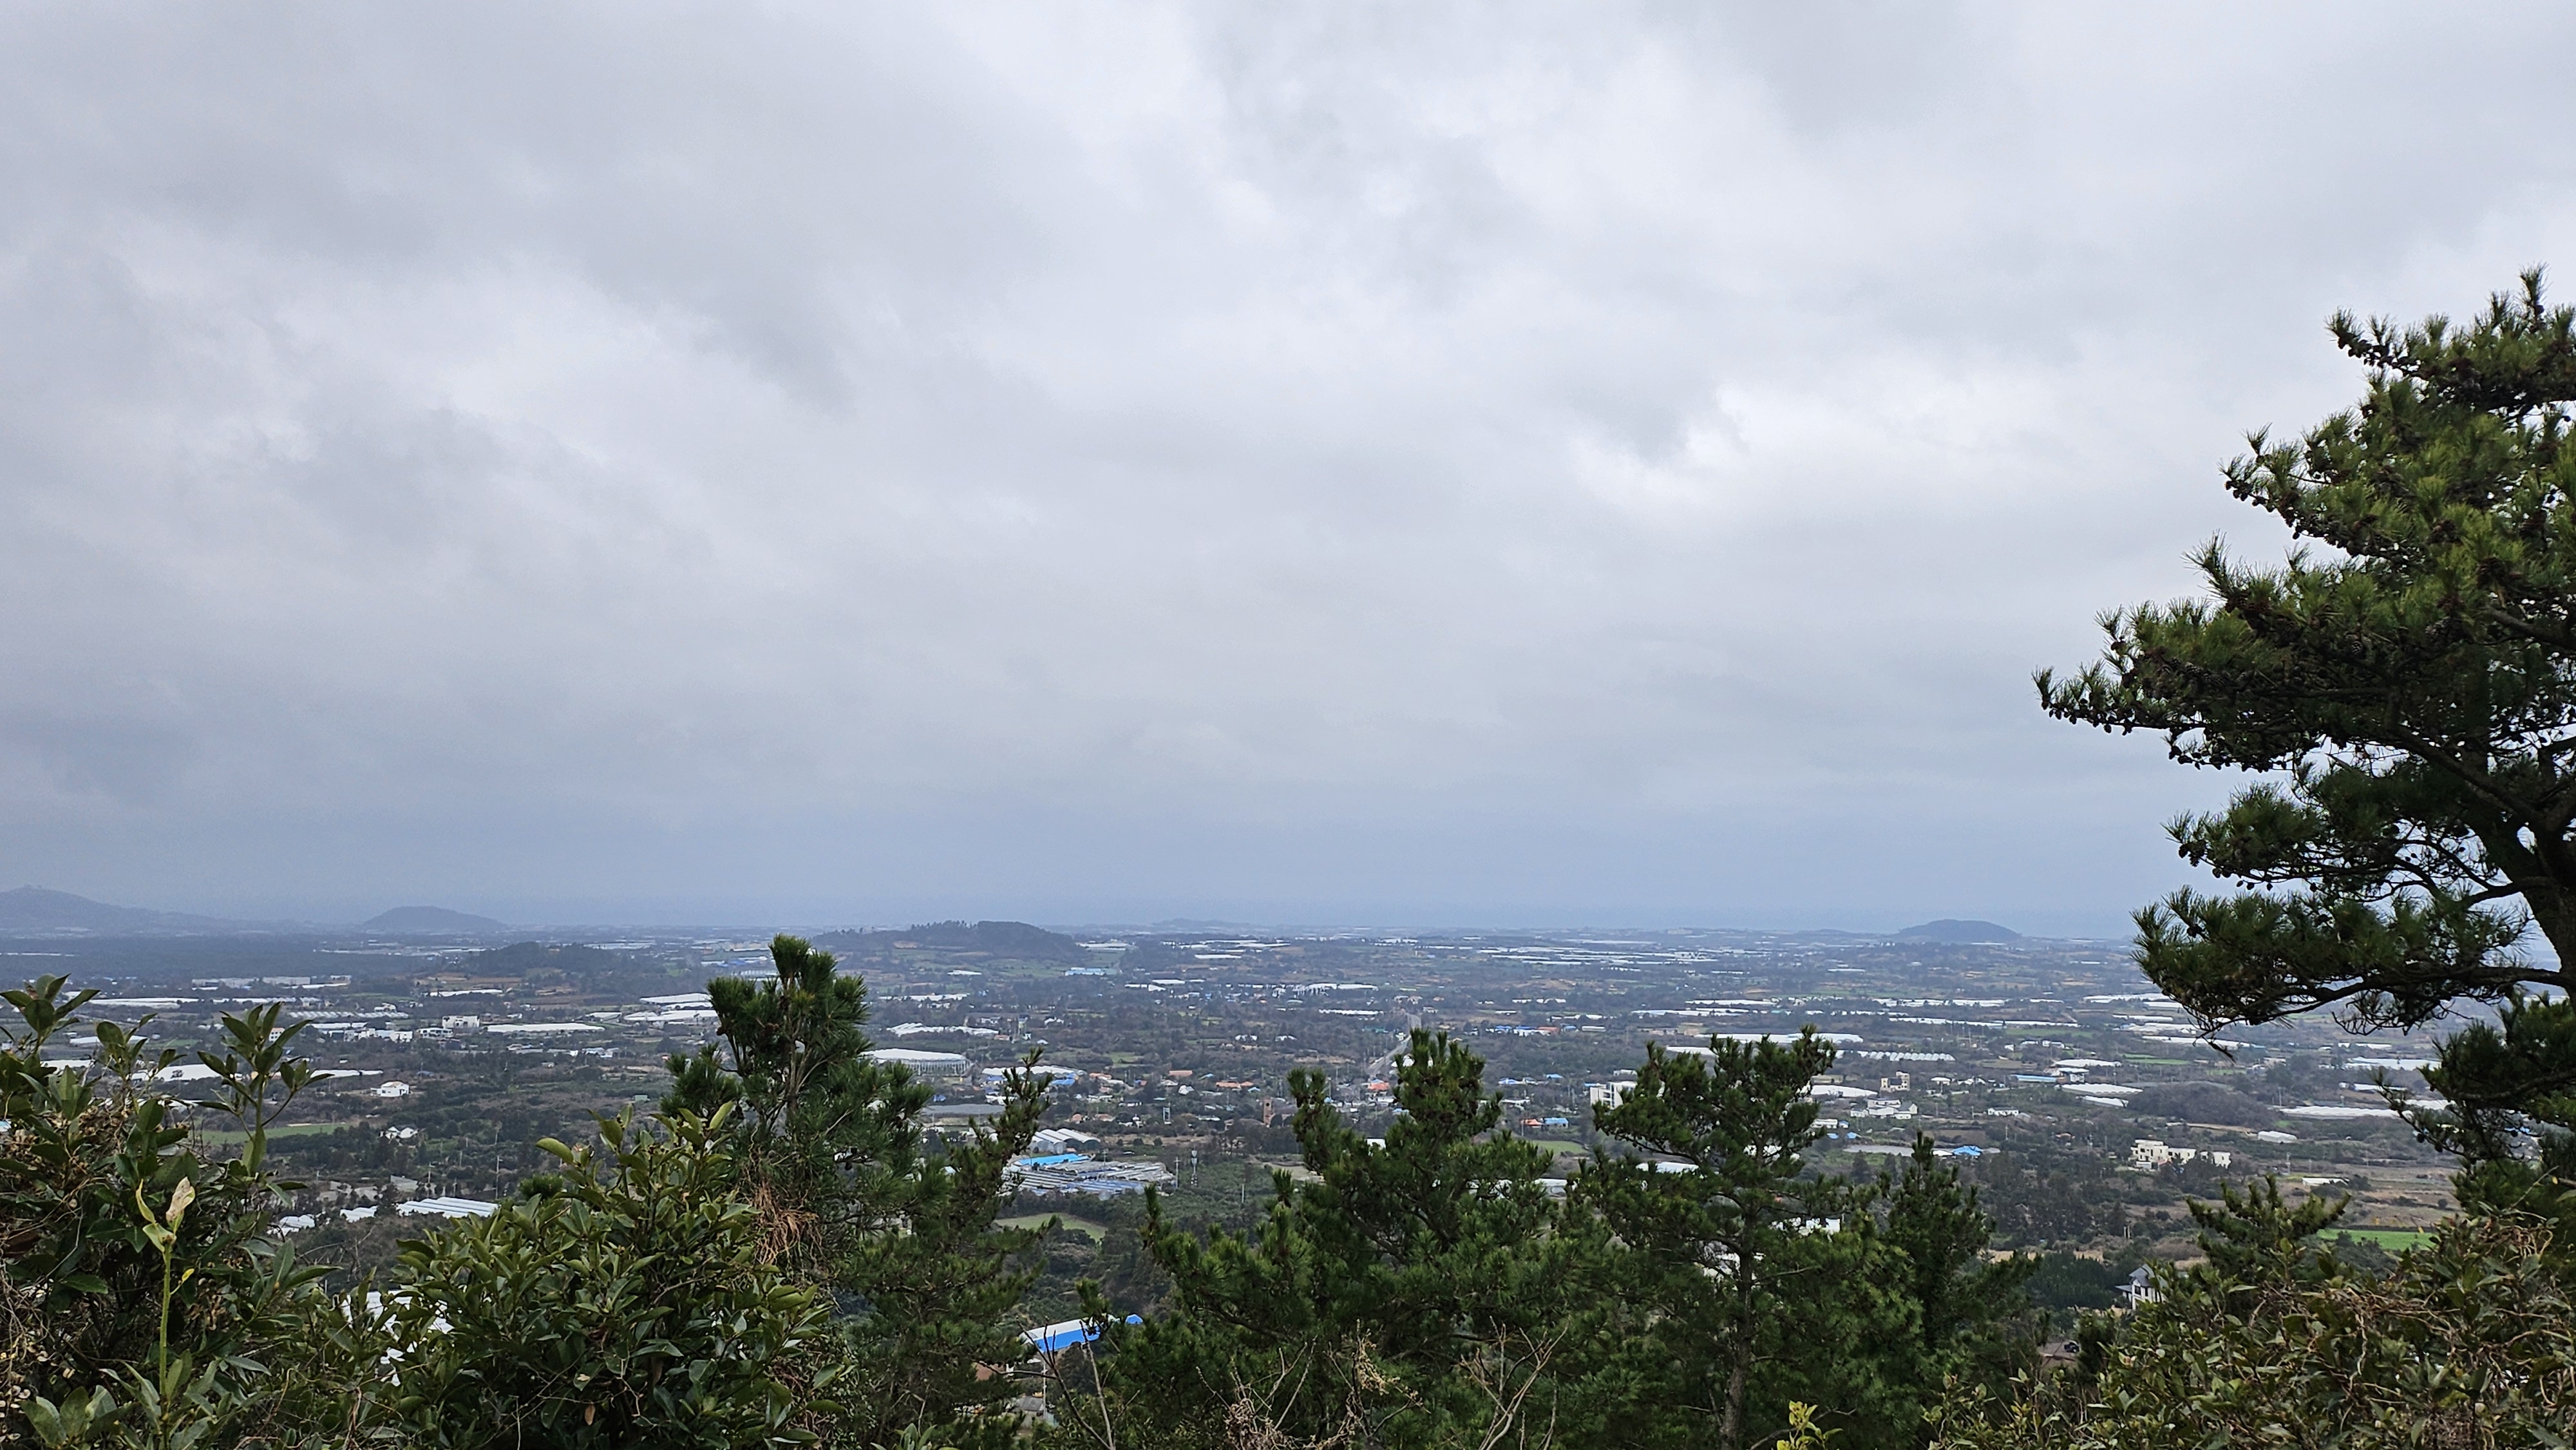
791, 1239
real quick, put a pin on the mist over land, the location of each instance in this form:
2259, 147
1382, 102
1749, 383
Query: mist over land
37, 912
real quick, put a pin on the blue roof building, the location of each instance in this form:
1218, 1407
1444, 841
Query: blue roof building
1054, 1338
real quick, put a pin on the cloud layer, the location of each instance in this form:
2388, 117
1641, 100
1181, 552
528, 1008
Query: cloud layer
1465, 463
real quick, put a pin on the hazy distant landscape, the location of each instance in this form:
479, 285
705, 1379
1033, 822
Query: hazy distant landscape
2053, 1059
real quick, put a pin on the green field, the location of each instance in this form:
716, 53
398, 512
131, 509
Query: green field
1083, 1226
2394, 1240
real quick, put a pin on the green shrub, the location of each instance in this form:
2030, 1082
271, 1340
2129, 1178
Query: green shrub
2470, 1343
626, 1301
141, 1304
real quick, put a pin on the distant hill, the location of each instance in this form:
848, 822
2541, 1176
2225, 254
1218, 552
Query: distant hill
1947, 930
432, 921
35, 909
1015, 941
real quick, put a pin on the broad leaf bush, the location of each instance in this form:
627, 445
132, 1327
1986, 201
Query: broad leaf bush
626, 1300
141, 1304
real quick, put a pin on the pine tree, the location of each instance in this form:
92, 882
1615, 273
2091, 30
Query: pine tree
2255, 1240
1410, 1292
860, 1199
1975, 1314
1726, 1244
2406, 679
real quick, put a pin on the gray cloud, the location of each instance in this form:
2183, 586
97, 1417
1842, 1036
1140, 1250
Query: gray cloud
1312, 462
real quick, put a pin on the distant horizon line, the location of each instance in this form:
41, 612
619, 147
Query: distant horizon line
480, 924
120, 921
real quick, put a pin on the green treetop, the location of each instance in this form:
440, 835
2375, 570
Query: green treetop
859, 1199
2405, 683
1975, 1314
1411, 1292
1748, 1265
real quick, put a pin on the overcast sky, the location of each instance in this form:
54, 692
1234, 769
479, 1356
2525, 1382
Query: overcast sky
1377, 464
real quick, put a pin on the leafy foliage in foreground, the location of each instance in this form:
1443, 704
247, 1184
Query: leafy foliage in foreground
2470, 1343
625, 1300
141, 1304
628, 1299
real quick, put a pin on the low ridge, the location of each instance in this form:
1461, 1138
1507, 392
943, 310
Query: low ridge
1948, 929
38, 909
432, 921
